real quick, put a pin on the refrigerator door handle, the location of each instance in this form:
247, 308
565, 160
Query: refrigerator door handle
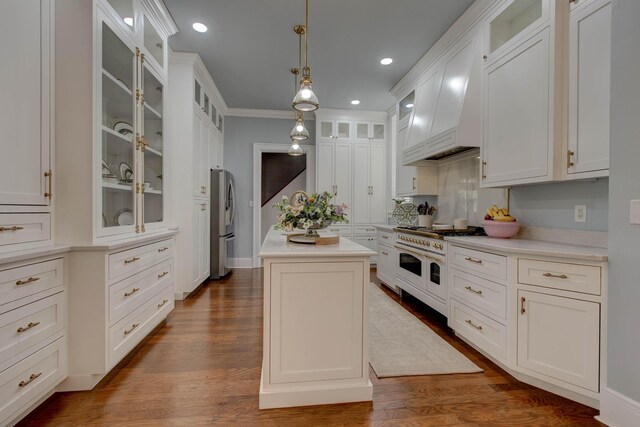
230, 238
232, 203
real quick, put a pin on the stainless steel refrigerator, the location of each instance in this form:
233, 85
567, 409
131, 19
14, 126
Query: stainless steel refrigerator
223, 210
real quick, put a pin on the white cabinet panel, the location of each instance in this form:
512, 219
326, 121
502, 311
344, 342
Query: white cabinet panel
559, 337
378, 197
361, 189
589, 87
424, 110
517, 115
325, 176
198, 128
25, 102
197, 240
387, 262
405, 175
342, 174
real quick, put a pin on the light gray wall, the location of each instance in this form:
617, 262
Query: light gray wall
552, 205
624, 239
239, 136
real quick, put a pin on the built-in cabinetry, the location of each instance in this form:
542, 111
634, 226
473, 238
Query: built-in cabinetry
33, 331
26, 167
387, 257
412, 180
354, 170
196, 121
539, 317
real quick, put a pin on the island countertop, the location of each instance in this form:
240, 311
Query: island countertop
276, 245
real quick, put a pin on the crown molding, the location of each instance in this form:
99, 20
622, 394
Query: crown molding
161, 16
468, 23
193, 60
333, 113
264, 114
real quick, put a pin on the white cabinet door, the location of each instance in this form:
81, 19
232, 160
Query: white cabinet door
213, 151
198, 128
363, 132
386, 264
405, 175
342, 131
205, 248
361, 187
378, 132
325, 130
560, 338
25, 102
205, 149
370, 131
589, 87
325, 169
378, 183
197, 242
220, 152
342, 174
422, 118
517, 115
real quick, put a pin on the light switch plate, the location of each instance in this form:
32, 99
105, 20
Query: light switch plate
634, 215
580, 213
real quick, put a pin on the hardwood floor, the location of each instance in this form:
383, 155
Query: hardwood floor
203, 368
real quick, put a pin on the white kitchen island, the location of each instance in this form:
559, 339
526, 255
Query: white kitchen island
315, 347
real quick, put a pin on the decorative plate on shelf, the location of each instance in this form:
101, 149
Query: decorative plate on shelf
123, 128
126, 173
123, 217
405, 214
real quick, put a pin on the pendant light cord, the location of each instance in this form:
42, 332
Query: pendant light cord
306, 38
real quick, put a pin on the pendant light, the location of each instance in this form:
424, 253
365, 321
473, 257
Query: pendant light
299, 131
295, 149
305, 99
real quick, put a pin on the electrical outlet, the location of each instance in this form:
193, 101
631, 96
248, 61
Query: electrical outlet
580, 213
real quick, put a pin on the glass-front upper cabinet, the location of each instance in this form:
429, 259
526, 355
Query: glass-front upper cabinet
406, 106
124, 9
153, 42
152, 153
117, 132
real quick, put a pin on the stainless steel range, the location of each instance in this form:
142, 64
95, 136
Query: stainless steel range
422, 258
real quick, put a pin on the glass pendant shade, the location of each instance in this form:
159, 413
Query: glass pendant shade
299, 131
305, 99
295, 149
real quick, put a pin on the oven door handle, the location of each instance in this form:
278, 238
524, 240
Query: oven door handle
400, 248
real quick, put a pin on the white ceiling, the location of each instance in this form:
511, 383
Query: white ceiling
250, 46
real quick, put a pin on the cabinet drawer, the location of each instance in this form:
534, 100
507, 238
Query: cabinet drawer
386, 237
30, 378
24, 228
129, 294
127, 333
488, 296
486, 264
20, 282
29, 325
479, 329
340, 230
364, 229
125, 263
556, 275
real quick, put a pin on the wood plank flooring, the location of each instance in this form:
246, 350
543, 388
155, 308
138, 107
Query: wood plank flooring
202, 367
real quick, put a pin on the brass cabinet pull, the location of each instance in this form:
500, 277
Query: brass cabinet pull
469, 288
26, 328
570, 154
384, 237
203, 207
49, 194
129, 261
475, 261
474, 325
128, 331
161, 275
556, 276
163, 249
163, 303
14, 228
31, 378
385, 253
133, 291
484, 57
484, 174
522, 309
26, 282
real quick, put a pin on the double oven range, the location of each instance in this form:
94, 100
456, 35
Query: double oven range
422, 258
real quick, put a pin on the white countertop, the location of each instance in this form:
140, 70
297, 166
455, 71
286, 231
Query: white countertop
533, 247
276, 245
111, 245
386, 227
32, 253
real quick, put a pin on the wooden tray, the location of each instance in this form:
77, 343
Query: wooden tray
321, 240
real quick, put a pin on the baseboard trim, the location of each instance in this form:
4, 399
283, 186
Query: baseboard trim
241, 262
618, 410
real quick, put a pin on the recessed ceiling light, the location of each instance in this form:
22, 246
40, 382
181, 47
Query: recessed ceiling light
409, 105
129, 21
355, 102
201, 28
386, 61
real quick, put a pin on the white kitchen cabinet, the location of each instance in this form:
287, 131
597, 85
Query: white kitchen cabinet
589, 81
201, 242
371, 131
424, 111
369, 184
387, 262
26, 102
413, 180
334, 171
335, 130
559, 337
370, 242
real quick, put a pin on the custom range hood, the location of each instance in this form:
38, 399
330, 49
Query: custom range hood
447, 117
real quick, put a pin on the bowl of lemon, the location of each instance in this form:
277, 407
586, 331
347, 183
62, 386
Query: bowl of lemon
498, 223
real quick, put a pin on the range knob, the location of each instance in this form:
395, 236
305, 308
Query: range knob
428, 244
